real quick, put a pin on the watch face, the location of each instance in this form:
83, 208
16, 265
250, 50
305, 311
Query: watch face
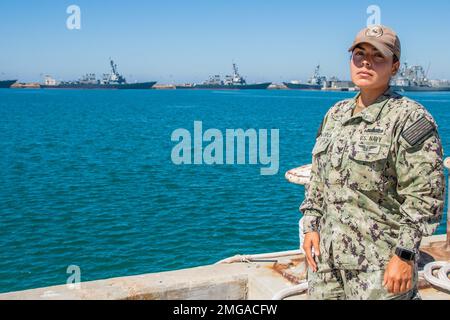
408, 255
405, 254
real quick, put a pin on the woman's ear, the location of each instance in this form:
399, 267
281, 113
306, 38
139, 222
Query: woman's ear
395, 67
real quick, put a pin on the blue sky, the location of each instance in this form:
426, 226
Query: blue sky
181, 41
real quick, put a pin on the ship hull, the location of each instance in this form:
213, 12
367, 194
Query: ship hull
142, 85
7, 83
302, 86
419, 88
256, 86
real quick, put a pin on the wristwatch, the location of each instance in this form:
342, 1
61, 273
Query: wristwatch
405, 254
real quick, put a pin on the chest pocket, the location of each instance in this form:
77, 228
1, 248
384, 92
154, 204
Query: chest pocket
328, 153
367, 166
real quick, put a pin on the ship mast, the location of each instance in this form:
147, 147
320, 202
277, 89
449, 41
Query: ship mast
113, 66
316, 71
235, 71
236, 78
428, 70
115, 76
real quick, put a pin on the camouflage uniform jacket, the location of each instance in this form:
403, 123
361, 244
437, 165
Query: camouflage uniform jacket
377, 182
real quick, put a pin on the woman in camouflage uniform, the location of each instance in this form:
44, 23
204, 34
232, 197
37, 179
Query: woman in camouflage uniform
377, 183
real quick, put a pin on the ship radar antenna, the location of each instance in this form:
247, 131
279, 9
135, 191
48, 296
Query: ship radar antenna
113, 66
235, 69
317, 71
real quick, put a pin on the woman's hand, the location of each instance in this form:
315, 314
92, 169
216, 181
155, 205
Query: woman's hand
398, 275
312, 240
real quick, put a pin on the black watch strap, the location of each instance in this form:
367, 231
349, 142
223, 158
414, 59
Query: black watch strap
405, 254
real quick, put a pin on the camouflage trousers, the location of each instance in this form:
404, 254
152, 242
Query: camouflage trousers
335, 284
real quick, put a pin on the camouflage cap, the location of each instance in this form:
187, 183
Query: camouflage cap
382, 38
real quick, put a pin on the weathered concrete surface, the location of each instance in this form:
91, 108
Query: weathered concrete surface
208, 282
237, 281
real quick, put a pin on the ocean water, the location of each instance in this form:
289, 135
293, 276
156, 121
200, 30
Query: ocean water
86, 179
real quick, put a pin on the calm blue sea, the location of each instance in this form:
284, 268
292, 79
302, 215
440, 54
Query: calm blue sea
86, 179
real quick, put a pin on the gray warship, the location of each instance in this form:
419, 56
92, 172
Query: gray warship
112, 80
235, 81
7, 83
316, 82
414, 78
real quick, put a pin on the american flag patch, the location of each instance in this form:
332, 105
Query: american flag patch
418, 131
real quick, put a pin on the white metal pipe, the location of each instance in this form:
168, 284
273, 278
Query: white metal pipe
291, 291
249, 258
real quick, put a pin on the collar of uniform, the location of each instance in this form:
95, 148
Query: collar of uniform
372, 112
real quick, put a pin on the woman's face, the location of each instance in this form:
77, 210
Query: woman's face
370, 69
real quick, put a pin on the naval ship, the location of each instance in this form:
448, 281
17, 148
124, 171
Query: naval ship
235, 81
7, 83
414, 78
316, 82
112, 80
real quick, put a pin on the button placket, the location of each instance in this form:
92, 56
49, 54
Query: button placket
339, 147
